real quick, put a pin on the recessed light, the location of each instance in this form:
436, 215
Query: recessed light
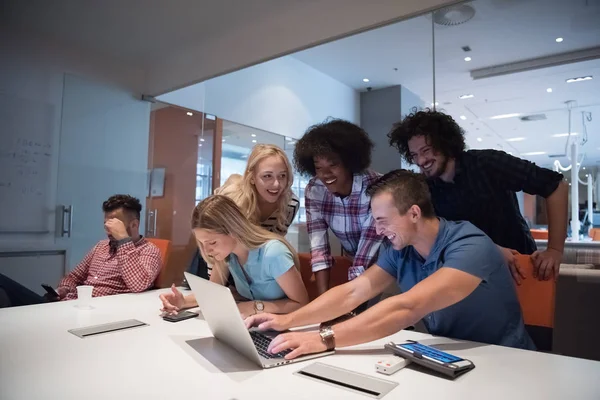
502, 116
467, 59
479, 139
463, 117
200, 145
583, 168
549, 90
253, 135
515, 139
559, 40
210, 117
580, 79
223, 140
565, 134
202, 140
253, 140
189, 113
466, 96
436, 104
289, 139
365, 80
534, 153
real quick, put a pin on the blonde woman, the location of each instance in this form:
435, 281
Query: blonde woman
263, 194
264, 266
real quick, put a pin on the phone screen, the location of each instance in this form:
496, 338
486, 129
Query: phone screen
429, 352
50, 290
180, 316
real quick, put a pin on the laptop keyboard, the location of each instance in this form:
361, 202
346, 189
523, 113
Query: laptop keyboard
261, 342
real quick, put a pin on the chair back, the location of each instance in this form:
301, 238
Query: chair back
537, 300
539, 234
337, 275
164, 246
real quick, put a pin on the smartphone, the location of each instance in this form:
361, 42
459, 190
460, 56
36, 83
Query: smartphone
50, 290
183, 315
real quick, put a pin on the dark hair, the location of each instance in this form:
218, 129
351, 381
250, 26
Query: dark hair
348, 141
407, 188
128, 203
440, 130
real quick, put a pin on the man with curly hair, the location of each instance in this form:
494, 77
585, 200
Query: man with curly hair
125, 262
480, 186
337, 155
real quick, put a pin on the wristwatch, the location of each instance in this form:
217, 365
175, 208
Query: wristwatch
259, 306
328, 337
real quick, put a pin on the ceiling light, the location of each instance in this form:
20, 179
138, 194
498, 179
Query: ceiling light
463, 117
189, 113
479, 139
436, 104
200, 145
559, 40
253, 140
515, 139
466, 96
549, 90
253, 135
202, 140
365, 80
534, 153
502, 116
467, 59
580, 79
210, 117
223, 140
289, 139
565, 134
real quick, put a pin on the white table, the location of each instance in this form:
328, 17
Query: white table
39, 359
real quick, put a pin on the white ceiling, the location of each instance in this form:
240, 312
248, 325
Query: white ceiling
502, 31
180, 42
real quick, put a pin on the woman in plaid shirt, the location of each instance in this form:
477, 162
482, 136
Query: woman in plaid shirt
337, 155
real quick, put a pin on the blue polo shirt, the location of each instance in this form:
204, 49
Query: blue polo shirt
264, 265
491, 313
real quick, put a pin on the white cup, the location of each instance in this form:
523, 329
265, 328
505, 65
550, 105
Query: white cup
84, 296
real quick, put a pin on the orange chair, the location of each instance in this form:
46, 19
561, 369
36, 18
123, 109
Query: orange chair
338, 274
539, 234
537, 299
164, 246
595, 234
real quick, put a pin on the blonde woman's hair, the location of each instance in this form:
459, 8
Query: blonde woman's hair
241, 190
219, 214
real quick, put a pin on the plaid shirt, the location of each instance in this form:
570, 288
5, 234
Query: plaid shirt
132, 268
349, 219
483, 193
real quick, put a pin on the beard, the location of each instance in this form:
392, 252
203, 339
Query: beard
442, 166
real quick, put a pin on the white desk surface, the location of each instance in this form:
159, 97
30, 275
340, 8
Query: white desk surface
39, 359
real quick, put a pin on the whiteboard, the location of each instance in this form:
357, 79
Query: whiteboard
26, 152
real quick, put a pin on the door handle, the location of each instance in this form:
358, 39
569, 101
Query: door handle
67, 228
151, 223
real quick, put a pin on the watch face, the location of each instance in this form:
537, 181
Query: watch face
260, 306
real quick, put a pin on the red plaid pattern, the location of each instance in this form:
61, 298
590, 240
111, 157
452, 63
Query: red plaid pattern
349, 219
133, 268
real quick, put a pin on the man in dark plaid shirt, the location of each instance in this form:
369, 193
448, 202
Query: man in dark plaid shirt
337, 154
480, 186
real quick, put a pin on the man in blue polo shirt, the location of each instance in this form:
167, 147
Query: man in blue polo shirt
452, 276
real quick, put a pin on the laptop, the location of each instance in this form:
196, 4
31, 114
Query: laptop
226, 324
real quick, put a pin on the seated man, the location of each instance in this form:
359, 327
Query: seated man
123, 263
452, 276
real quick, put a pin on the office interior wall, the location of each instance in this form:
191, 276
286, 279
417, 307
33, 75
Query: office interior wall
283, 96
174, 147
379, 110
34, 68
